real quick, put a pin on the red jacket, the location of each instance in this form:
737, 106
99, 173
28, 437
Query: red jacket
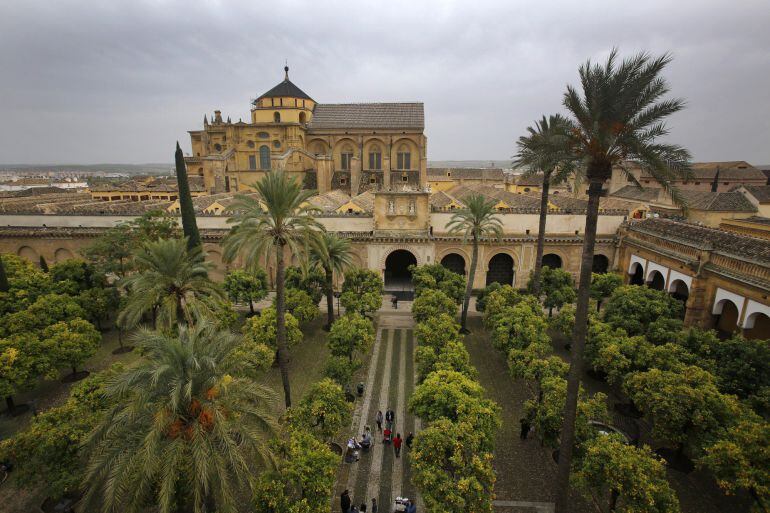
397, 442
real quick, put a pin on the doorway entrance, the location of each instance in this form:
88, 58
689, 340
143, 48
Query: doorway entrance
398, 277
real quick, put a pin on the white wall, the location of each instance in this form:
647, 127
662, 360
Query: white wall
564, 224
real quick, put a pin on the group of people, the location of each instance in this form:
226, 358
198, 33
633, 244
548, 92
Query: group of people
387, 432
346, 504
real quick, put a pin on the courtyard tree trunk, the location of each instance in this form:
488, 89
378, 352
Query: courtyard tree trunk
541, 235
280, 316
329, 298
567, 439
469, 285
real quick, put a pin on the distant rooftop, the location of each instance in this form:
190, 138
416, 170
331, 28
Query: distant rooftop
368, 115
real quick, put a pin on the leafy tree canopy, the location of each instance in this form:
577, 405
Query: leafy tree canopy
558, 287
741, 458
452, 475
519, 326
437, 331
299, 304
437, 277
261, 329
246, 287
46, 310
72, 341
685, 405
312, 280
441, 394
432, 303
303, 480
496, 301
350, 334
634, 474
633, 308
362, 291
603, 285
324, 410
481, 297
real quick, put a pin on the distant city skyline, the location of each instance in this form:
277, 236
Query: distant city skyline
121, 82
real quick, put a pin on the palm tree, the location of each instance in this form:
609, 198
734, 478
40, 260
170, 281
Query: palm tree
278, 219
617, 118
476, 221
333, 255
545, 151
188, 429
172, 281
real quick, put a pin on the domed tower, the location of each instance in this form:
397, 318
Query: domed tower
288, 106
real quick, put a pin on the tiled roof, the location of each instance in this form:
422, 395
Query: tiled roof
634, 192
165, 184
329, 201
533, 180
365, 200
465, 173
732, 170
286, 89
368, 115
441, 200
757, 220
717, 201
732, 243
760, 192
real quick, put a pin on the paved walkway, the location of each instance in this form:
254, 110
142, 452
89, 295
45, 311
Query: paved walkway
389, 384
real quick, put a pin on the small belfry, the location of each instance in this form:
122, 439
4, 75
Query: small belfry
352, 147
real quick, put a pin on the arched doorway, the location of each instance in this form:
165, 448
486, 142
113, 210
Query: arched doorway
601, 264
637, 276
656, 281
727, 318
455, 263
62, 254
28, 253
679, 290
757, 326
500, 269
398, 277
552, 260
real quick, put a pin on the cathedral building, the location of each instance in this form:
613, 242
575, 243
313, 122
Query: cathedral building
353, 147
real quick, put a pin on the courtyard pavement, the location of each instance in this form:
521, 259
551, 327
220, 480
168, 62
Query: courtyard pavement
389, 383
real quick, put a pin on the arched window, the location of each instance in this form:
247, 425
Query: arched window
277, 117
404, 158
264, 157
375, 158
302, 117
346, 156
319, 149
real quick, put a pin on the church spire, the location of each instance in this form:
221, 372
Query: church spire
286, 70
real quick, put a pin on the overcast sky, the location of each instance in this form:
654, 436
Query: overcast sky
112, 81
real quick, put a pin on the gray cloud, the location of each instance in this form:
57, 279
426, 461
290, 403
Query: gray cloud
114, 81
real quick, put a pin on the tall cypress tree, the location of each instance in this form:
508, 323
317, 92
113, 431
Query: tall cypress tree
43, 264
185, 202
4, 286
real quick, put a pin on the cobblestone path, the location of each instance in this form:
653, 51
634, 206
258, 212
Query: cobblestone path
389, 384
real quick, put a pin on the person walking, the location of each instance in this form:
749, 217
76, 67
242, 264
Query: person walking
390, 417
362, 507
378, 420
411, 507
345, 501
397, 444
374, 505
525, 427
409, 440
